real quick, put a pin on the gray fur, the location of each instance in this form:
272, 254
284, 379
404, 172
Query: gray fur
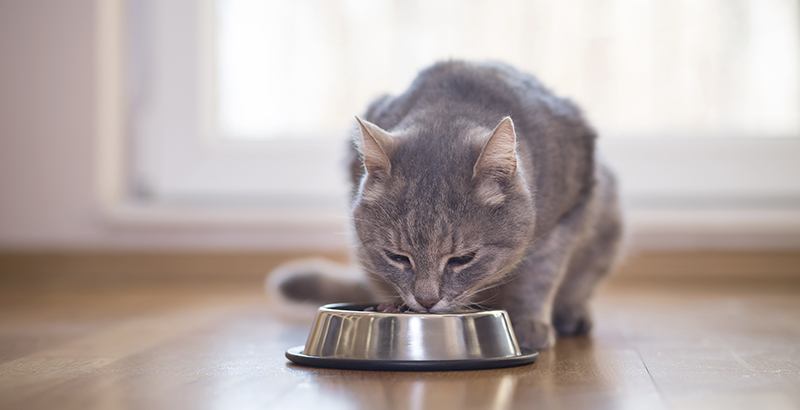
434, 179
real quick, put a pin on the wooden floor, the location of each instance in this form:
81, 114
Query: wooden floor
657, 344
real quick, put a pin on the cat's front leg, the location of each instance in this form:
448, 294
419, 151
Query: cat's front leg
529, 298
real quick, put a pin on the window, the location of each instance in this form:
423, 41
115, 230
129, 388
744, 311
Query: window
641, 69
245, 101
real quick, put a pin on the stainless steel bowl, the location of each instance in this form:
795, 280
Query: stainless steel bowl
345, 336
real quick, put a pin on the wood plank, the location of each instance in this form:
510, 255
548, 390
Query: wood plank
717, 347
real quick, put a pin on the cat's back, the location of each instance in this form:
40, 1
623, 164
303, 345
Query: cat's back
481, 91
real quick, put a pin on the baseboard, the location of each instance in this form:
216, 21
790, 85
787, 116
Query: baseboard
718, 265
126, 268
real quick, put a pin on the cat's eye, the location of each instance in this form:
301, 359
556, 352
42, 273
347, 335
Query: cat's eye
458, 261
403, 259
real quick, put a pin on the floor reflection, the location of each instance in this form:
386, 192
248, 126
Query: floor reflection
549, 382
419, 390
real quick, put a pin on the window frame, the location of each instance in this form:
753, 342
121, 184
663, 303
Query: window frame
754, 180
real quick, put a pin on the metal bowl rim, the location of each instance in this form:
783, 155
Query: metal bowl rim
526, 357
335, 308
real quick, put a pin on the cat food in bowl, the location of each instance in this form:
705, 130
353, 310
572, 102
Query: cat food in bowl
389, 308
360, 336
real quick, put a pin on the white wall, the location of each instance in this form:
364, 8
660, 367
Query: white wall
46, 121
48, 195
48, 163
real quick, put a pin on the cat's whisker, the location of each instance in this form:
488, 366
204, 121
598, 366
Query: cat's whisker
490, 285
374, 277
487, 300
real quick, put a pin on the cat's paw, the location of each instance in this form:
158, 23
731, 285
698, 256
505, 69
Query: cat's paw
572, 320
534, 334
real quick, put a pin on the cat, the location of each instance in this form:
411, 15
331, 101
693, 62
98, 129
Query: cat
477, 185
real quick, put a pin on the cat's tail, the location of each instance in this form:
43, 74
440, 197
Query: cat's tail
299, 287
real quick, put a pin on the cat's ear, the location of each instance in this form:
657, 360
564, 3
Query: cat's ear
498, 159
373, 144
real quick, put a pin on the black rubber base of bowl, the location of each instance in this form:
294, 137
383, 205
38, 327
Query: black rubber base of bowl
296, 355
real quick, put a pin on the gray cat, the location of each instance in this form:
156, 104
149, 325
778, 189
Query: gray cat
477, 184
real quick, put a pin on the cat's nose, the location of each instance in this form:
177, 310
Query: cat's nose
428, 303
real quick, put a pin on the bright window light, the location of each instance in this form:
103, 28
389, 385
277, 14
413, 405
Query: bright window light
300, 69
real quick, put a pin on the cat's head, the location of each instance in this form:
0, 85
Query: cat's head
442, 212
